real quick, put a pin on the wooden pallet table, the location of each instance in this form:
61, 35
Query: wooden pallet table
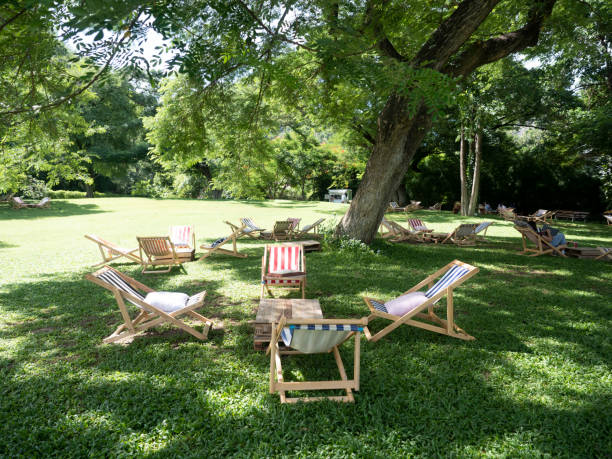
582, 252
272, 309
308, 245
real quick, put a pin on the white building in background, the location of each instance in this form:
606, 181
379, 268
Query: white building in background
339, 196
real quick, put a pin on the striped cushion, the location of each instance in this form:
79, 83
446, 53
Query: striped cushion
311, 339
249, 224
112, 278
417, 224
453, 274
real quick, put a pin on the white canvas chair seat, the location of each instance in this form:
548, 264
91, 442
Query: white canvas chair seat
464, 234
283, 266
608, 219
310, 336
182, 236
251, 229
124, 288
110, 251
450, 277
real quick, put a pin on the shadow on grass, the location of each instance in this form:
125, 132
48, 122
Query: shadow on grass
57, 209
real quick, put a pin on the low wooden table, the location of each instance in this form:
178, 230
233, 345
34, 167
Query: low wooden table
582, 252
308, 246
272, 309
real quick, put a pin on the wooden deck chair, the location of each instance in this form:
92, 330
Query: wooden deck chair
124, 288
310, 336
158, 251
112, 251
18, 203
418, 225
542, 246
464, 234
606, 253
436, 206
397, 233
608, 219
416, 204
281, 231
183, 238
394, 207
305, 231
251, 229
44, 203
283, 266
451, 276
217, 246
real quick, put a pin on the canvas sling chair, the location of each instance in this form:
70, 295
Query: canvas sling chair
418, 225
436, 206
250, 228
281, 231
464, 234
44, 203
311, 336
305, 231
18, 203
395, 207
183, 238
606, 253
283, 266
158, 251
112, 251
542, 246
451, 276
217, 246
608, 219
482, 228
397, 233
124, 288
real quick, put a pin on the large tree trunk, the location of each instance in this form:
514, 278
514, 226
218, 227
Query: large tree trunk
399, 135
399, 195
398, 138
462, 169
476, 176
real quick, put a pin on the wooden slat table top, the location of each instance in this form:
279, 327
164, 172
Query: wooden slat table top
582, 252
309, 245
272, 309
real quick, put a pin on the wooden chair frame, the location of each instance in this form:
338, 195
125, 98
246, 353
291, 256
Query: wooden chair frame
606, 253
436, 206
397, 233
543, 247
443, 326
277, 382
236, 234
282, 231
149, 258
608, 219
305, 231
18, 203
149, 316
254, 233
301, 279
112, 251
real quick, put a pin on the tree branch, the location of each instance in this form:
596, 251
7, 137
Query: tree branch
372, 22
496, 48
13, 18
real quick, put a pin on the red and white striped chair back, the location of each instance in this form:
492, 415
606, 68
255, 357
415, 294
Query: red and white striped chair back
295, 222
284, 259
417, 224
181, 236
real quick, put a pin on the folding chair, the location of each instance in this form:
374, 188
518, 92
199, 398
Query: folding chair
436, 206
310, 336
482, 227
18, 203
418, 225
44, 203
452, 275
283, 266
217, 246
183, 238
250, 228
167, 310
542, 246
464, 234
394, 207
281, 231
112, 251
608, 219
158, 251
304, 232
606, 253
397, 233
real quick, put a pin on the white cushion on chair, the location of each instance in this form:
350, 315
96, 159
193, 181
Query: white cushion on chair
405, 303
167, 301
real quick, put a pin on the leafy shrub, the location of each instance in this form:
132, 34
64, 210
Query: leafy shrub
73, 194
35, 189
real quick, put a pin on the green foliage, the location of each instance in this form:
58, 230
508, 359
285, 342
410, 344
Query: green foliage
536, 382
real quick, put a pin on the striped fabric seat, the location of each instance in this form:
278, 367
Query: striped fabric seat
310, 339
219, 241
482, 226
284, 260
112, 278
295, 223
455, 273
378, 305
312, 225
249, 225
182, 236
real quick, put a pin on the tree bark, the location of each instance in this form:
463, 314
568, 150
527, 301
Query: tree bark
462, 168
476, 176
399, 134
400, 195
89, 190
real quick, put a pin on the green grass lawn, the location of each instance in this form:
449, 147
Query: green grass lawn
536, 382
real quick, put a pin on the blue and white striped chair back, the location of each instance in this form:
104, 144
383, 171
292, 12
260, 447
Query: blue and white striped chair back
482, 226
454, 273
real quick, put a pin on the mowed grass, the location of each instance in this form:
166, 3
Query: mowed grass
536, 382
